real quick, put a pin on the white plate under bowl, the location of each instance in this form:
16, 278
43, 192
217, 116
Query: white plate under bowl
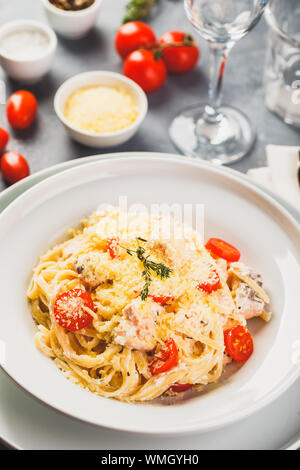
266, 235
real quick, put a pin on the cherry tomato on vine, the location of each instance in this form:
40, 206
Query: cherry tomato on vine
4, 138
147, 70
133, 35
69, 309
223, 249
238, 343
166, 359
21, 109
178, 58
14, 167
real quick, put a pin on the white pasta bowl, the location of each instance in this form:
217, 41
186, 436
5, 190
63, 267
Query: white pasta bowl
104, 78
266, 235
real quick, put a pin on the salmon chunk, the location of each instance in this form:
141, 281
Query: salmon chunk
137, 328
86, 267
164, 249
248, 302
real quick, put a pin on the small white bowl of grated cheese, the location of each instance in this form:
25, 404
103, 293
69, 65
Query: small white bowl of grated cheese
100, 109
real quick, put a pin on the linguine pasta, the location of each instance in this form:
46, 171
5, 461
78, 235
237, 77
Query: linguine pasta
133, 319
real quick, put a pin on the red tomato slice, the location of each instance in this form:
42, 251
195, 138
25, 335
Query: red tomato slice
179, 388
14, 167
160, 299
4, 138
167, 358
213, 282
69, 312
112, 247
21, 109
223, 249
238, 343
214, 256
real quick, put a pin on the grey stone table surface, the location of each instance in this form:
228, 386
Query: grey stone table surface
46, 143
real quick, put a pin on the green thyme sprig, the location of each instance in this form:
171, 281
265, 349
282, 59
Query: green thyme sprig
138, 9
159, 269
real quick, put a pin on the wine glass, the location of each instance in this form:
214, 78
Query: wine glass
218, 133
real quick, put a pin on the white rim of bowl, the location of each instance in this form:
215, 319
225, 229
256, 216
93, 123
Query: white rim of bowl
49, 6
233, 176
143, 108
17, 25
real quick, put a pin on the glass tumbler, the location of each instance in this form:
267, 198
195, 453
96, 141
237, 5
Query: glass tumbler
282, 70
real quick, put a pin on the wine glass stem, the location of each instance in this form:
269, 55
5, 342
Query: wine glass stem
218, 58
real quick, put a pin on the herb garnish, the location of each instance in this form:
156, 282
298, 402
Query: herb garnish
138, 9
160, 269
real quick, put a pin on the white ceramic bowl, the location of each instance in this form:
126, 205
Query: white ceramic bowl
107, 139
269, 241
72, 24
28, 70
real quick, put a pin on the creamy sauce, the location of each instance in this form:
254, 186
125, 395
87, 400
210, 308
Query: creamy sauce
24, 44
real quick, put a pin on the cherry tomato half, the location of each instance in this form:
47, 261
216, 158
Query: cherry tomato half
145, 69
69, 312
223, 249
4, 138
211, 284
167, 358
179, 58
133, 35
21, 109
14, 167
180, 388
238, 343
112, 247
160, 299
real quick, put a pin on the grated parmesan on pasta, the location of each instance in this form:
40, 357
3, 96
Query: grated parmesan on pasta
112, 356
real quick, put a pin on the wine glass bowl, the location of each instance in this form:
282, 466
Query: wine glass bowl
220, 134
224, 21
